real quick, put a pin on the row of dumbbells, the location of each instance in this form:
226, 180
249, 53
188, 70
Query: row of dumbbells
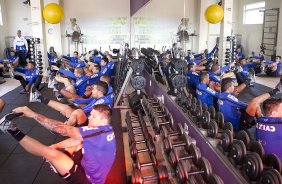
36, 54
230, 49
178, 160
181, 150
250, 157
157, 113
246, 155
142, 146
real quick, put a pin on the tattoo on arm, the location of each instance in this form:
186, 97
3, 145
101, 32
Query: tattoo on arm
57, 126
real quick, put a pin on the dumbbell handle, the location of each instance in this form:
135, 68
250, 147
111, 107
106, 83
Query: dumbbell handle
147, 164
173, 133
195, 172
186, 157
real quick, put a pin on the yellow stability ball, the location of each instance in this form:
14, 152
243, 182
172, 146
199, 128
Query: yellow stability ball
53, 13
214, 14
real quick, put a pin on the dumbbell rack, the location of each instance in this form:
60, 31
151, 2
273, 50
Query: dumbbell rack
231, 45
36, 54
223, 167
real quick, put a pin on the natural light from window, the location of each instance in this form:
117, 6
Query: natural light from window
253, 13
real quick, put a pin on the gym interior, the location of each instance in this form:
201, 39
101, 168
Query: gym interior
140, 91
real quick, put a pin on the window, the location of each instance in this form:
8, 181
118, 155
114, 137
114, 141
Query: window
1, 20
253, 13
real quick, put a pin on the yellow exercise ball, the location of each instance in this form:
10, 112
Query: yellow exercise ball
214, 14
53, 13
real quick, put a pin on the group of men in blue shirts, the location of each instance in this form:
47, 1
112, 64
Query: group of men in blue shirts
217, 88
92, 140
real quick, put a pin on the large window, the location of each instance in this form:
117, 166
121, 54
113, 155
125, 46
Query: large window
253, 13
1, 20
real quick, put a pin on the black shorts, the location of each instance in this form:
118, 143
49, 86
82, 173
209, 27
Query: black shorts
246, 121
77, 172
271, 73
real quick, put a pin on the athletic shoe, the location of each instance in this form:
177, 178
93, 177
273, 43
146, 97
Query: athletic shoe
6, 121
34, 96
24, 91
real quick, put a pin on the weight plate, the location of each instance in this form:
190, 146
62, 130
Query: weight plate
238, 151
206, 119
204, 107
212, 129
220, 119
138, 82
227, 126
180, 128
212, 112
215, 179
270, 176
253, 166
271, 160
205, 166
226, 140
178, 81
136, 176
195, 152
243, 136
162, 173
137, 65
256, 146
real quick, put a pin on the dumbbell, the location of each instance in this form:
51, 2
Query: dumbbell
161, 173
212, 112
153, 162
192, 152
159, 121
150, 147
183, 169
158, 111
167, 131
270, 176
186, 140
205, 119
215, 132
215, 179
254, 164
227, 138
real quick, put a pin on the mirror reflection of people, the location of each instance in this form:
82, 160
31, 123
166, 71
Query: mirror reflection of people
20, 47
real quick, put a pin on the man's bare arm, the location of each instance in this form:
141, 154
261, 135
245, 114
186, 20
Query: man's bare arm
67, 143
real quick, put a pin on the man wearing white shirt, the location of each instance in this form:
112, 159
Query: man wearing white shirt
21, 47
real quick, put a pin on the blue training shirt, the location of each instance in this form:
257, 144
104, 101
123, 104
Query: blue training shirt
94, 78
80, 85
231, 108
30, 76
71, 59
104, 70
99, 152
206, 95
110, 70
193, 79
95, 101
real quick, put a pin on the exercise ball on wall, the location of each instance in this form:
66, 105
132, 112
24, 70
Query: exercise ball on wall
53, 13
214, 14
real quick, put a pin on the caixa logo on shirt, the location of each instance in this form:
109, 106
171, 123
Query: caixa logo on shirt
220, 102
199, 92
268, 128
100, 101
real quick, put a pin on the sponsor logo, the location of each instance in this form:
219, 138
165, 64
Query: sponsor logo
264, 127
110, 137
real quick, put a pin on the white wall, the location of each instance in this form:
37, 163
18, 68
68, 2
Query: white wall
252, 34
2, 29
18, 16
279, 41
98, 20
161, 21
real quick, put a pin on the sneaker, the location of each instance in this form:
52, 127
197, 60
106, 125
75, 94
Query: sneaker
6, 121
34, 96
52, 84
24, 91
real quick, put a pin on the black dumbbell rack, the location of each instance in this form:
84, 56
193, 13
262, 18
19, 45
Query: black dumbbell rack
231, 45
36, 54
220, 164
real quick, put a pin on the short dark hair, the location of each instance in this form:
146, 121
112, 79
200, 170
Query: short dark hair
279, 57
75, 52
241, 59
111, 56
105, 59
102, 86
271, 105
203, 76
215, 67
80, 71
190, 66
31, 62
105, 110
106, 78
225, 84
98, 67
